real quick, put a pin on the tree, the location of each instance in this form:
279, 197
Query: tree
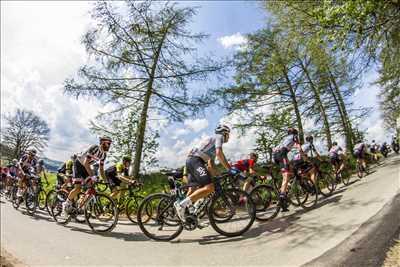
122, 129
24, 130
266, 76
144, 58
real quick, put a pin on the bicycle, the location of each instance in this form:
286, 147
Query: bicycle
265, 198
325, 181
222, 206
100, 211
129, 200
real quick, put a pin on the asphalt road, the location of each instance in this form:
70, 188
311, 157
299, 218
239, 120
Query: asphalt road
291, 239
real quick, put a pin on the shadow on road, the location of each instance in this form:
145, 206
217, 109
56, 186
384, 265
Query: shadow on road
138, 236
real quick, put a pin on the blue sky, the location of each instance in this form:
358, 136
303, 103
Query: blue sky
40, 47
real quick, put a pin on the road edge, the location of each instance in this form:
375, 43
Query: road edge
368, 245
8, 260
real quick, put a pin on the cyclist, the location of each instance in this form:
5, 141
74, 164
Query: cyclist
200, 166
82, 168
336, 156
246, 166
40, 169
374, 149
64, 173
359, 152
118, 173
395, 144
280, 156
301, 162
384, 149
12, 170
26, 167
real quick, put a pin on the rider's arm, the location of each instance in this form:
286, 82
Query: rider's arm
221, 158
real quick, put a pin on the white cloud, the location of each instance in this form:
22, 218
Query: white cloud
196, 125
236, 40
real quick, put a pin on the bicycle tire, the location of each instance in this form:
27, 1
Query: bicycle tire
132, 207
326, 184
249, 206
158, 218
93, 208
263, 196
309, 190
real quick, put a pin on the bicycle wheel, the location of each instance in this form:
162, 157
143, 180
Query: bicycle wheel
30, 201
14, 199
307, 193
292, 191
326, 183
241, 211
101, 213
158, 225
360, 172
266, 202
132, 207
41, 199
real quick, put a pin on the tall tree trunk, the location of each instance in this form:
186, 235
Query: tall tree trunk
295, 106
342, 106
143, 115
317, 98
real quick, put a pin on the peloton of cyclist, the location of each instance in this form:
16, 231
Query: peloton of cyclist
200, 166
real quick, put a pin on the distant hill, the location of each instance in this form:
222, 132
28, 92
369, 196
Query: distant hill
52, 165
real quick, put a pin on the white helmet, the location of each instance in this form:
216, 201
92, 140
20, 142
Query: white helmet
221, 129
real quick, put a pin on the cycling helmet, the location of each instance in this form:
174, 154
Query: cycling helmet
309, 138
373, 141
105, 138
40, 162
292, 131
74, 156
334, 144
32, 152
222, 129
126, 159
14, 161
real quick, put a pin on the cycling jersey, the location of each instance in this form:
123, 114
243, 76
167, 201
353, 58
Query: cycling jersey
359, 147
12, 170
244, 164
66, 167
117, 169
207, 148
335, 151
113, 172
307, 148
287, 143
93, 154
27, 163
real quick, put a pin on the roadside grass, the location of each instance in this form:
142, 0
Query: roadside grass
393, 255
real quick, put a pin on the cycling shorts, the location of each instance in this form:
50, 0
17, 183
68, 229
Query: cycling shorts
197, 171
79, 173
281, 159
359, 154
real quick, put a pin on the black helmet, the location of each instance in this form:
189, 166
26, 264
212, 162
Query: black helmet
334, 144
126, 158
105, 138
40, 161
74, 157
222, 129
292, 131
309, 138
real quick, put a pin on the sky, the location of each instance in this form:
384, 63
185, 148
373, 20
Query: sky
41, 47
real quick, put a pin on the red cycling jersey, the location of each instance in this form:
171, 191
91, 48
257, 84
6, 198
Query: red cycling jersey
244, 164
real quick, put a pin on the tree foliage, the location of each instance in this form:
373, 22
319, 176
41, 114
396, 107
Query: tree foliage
24, 130
144, 57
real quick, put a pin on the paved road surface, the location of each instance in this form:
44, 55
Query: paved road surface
291, 239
